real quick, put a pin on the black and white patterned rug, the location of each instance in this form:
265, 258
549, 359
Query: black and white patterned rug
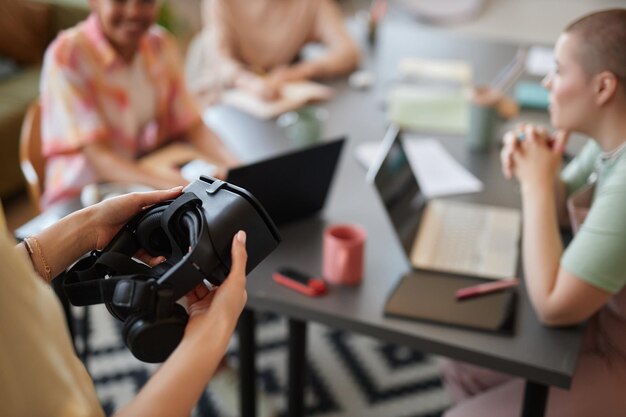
348, 374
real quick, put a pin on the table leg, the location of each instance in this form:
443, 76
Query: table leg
247, 372
535, 400
297, 367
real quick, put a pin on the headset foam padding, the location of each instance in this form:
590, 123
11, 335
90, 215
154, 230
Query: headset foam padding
153, 340
151, 235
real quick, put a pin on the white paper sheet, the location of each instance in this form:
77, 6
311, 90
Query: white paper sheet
437, 69
438, 173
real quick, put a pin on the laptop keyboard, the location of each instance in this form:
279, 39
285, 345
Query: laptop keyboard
458, 243
467, 239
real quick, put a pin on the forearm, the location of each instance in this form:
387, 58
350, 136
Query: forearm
560, 196
342, 53
542, 247
110, 167
336, 62
178, 384
208, 144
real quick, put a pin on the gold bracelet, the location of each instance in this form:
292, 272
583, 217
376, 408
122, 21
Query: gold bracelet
29, 242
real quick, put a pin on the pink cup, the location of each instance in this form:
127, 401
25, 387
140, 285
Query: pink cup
343, 249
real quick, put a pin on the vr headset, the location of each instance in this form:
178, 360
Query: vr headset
194, 233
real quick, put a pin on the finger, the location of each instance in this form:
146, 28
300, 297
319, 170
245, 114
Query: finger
239, 258
515, 159
148, 259
542, 132
511, 143
510, 165
530, 133
510, 138
221, 173
152, 262
191, 298
561, 138
201, 291
149, 198
506, 163
199, 306
520, 127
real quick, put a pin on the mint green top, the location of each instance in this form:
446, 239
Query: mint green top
597, 254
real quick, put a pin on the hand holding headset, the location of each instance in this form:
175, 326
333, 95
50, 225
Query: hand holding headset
194, 233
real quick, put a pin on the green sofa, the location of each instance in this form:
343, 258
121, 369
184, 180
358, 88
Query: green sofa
20, 88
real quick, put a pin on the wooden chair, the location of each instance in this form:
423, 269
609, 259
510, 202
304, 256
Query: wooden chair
33, 166
32, 161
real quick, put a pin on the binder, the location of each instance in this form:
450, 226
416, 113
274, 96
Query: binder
430, 296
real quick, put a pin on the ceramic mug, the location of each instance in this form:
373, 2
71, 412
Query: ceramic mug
483, 117
343, 254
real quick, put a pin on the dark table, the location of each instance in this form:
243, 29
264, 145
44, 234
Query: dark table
544, 357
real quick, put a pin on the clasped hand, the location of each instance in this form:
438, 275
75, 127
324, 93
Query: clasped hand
532, 154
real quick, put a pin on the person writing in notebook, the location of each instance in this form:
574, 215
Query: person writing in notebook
254, 46
40, 374
112, 90
586, 281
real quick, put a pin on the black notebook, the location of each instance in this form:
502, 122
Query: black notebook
430, 296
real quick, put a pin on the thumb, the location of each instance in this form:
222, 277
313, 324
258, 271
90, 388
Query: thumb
239, 256
560, 141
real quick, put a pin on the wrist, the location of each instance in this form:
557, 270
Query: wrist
37, 258
63, 242
210, 327
84, 229
535, 186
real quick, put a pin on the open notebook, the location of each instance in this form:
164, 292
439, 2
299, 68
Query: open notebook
294, 95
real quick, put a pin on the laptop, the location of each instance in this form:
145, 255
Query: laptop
440, 234
292, 185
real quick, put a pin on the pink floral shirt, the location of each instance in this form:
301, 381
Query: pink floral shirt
82, 103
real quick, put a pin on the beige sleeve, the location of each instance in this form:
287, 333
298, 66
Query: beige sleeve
3, 221
39, 373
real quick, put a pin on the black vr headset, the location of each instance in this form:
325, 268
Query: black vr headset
194, 233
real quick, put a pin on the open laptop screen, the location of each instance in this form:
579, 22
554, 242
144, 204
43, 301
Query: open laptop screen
398, 188
292, 185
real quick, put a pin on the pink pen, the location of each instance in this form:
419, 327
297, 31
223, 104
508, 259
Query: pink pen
487, 288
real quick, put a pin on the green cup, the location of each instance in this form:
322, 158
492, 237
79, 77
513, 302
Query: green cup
481, 127
303, 126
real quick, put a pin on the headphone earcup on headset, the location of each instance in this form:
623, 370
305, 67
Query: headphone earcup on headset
121, 313
153, 340
151, 235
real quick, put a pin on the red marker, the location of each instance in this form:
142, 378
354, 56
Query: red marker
487, 288
300, 282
